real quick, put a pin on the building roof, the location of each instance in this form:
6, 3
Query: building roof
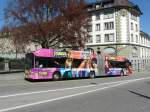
144, 34
105, 4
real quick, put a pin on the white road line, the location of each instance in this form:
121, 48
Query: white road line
73, 95
63, 89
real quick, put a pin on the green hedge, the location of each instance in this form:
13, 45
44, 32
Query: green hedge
2, 65
16, 64
1, 59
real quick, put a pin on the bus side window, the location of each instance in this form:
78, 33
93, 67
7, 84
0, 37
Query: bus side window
83, 64
56, 63
77, 63
41, 66
36, 64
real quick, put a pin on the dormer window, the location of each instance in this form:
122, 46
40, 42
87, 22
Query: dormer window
108, 15
97, 6
97, 16
108, 5
133, 17
98, 27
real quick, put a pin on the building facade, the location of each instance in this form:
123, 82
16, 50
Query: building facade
114, 27
9, 50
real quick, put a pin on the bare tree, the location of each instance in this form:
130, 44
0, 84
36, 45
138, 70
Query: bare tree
9, 43
48, 22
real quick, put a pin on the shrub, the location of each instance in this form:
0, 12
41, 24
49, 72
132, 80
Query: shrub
2, 65
16, 64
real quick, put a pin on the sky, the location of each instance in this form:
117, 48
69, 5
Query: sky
2, 5
143, 4
145, 18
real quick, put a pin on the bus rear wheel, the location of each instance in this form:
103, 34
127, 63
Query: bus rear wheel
92, 75
56, 76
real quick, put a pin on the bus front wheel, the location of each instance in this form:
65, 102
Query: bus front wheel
56, 76
92, 75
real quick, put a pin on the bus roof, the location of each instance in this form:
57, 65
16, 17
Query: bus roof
58, 53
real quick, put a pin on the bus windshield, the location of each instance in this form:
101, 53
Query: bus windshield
29, 61
41, 62
117, 64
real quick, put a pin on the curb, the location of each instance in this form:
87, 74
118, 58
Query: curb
13, 71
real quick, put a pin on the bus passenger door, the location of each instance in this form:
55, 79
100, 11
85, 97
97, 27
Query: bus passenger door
68, 69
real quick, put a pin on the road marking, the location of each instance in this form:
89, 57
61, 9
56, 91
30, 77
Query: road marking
73, 95
63, 89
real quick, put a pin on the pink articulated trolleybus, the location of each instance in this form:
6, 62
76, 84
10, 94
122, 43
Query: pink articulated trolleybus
57, 64
117, 65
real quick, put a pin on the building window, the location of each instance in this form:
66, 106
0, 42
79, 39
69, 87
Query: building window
132, 38
89, 28
134, 52
109, 37
90, 39
98, 38
129, 39
136, 38
136, 26
144, 40
141, 39
97, 16
132, 26
133, 17
108, 15
98, 27
109, 25
108, 5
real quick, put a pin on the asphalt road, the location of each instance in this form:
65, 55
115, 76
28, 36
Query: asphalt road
105, 94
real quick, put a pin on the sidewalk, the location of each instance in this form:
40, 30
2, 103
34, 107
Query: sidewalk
10, 71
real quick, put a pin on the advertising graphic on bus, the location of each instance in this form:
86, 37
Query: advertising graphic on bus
117, 65
56, 64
